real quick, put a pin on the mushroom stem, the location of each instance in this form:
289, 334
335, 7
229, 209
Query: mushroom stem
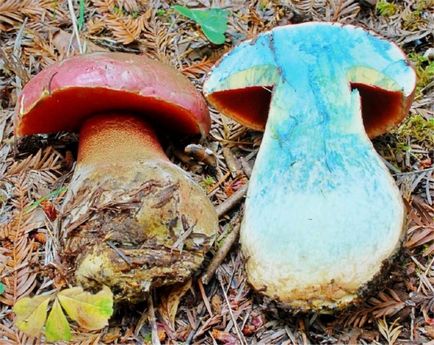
117, 138
147, 223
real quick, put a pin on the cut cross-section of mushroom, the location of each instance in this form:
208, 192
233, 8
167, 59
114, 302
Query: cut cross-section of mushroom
323, 215
132, 219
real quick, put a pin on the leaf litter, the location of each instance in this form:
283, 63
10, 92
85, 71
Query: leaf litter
225, 310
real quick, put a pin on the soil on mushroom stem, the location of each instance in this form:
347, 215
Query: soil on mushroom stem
140, 227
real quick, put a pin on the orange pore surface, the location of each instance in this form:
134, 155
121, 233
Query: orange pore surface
381, 109
248, 106
117, 138
66, 109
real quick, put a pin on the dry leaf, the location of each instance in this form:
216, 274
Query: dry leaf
64, 42
170, 301
224, 337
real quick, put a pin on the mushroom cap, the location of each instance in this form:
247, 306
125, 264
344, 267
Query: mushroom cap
241, 84
65, 94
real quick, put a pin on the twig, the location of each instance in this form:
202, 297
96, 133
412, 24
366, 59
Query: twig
390, 166
179, 244
218, 183
232, 201
141, 322
290, 335
205, 298
428, 187
231, 162
196, 327
153, 321
119, 252
221, 254
246, 167
237, 329
74, 25
413, 172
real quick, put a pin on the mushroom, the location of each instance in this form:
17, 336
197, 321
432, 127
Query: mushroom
323, 216
133, 219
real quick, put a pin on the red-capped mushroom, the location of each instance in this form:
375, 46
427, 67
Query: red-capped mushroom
134, 220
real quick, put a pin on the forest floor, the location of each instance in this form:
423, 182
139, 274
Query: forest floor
35, 172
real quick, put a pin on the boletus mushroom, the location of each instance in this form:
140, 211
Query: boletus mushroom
323, 216
134, 220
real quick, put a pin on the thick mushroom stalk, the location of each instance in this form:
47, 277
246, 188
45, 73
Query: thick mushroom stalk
132, 220
323, 215
147, 223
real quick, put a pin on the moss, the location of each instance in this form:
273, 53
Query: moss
207, 182
422, 5
419, 129
424, 70
414, 18
385, 8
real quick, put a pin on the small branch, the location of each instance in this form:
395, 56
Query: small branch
119, 252
153, 321
194, 331
231, 162
237, 329
232, 201
246, 167
205, 298
221, 254
413, 172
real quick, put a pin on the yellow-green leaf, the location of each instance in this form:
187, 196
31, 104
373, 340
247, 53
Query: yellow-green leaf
89, 311
30, 314
57, 326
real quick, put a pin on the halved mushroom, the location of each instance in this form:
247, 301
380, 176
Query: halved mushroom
323, 215
136, 220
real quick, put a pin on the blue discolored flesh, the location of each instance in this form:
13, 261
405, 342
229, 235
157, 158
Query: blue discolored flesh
322, 212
